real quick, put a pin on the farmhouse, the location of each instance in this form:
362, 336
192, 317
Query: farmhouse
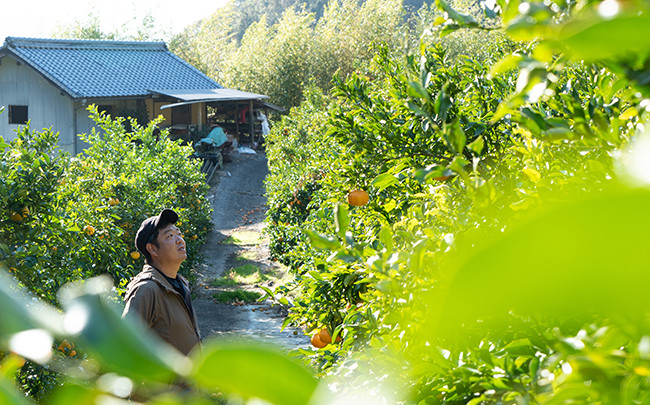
51, 82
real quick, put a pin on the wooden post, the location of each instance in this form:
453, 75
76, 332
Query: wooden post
250, 110
237, 122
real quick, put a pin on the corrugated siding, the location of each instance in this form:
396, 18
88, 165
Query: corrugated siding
21, 85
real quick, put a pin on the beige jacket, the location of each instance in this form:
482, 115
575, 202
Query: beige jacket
162, 308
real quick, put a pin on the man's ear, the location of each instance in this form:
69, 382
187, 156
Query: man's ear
152, 249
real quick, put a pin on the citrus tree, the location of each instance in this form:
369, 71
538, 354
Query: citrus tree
72, 218
455, 155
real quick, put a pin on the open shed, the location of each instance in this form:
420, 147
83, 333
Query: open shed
237, 112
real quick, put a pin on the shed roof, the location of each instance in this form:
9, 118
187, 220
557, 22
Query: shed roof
208, 96
107, 69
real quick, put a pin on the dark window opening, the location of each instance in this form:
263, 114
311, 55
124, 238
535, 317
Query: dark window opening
106, 109
18, 114
181, 114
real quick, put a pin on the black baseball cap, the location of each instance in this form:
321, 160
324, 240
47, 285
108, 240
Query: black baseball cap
150, 225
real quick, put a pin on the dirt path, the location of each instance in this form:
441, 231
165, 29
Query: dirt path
239, 208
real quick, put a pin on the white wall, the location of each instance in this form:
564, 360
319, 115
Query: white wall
47, 107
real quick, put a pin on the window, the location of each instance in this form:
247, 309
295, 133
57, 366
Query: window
18, 114
106, 109
182, 114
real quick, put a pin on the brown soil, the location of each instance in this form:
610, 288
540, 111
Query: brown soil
239, 207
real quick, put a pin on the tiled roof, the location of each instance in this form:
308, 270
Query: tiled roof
104, 69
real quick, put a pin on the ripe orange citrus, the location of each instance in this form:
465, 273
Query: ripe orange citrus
113, 201
135, 255
358, 198
316, 342
25, 211
16, 217
326, 337
89, 230
65, 345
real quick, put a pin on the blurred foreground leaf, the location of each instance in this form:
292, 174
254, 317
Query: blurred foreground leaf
605, 38
19, 313
121, 345
9, 394
587, 257
254, 371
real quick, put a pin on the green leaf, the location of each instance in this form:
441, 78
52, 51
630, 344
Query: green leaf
465, 19
316, 275
17, 318
10, 395
75, 394
455, 137
477, 145
349, 279
526, 29
509, 62
599, 38
416, 90
458, 164
322, 242
588, 254
124, 346
268, 292
521, 347
629, 113
341, 219
442, 105
386, 237
253, 371
449, 29
532, 174
384, 180
417, 110
557, 133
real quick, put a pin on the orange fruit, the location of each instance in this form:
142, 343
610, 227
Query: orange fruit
89, 230
25, 211
358, 198
441, 178
16, 217
326, 337
113, 201
316, 342
135, 255
65, 345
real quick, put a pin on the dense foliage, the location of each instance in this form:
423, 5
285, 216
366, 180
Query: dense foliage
443, 287
71, 218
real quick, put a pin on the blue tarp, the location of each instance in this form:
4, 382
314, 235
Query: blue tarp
216, 137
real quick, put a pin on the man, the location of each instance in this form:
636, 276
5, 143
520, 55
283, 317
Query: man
158, 294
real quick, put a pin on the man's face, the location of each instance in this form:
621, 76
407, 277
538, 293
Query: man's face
171, 246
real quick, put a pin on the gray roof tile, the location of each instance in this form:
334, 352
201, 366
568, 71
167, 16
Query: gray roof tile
104, 69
